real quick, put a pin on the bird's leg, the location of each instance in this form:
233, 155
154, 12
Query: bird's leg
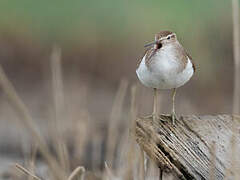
174, 117
154, 114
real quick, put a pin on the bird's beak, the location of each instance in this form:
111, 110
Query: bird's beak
150, 44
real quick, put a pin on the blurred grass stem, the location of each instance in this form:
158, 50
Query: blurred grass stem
114, 118
25, 171
77, 174
142, 167
58, 96
131, 154
236, 55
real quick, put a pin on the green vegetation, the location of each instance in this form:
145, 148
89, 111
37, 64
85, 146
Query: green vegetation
61, 19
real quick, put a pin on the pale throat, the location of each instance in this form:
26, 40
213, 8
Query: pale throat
167, 57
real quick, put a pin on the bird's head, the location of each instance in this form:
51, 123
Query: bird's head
162, 38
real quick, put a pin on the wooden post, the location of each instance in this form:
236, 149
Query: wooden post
184, 150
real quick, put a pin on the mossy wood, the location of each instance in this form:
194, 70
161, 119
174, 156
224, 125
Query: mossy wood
186, 149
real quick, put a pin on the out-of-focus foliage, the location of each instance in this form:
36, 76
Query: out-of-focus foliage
74, 19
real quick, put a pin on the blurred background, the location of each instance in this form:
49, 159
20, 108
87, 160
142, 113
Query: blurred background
99, 45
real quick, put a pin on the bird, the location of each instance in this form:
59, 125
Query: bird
165, 65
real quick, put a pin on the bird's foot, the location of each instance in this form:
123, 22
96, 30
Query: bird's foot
154, 117
173, 117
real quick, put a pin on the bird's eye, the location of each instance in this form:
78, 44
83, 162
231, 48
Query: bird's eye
168, 37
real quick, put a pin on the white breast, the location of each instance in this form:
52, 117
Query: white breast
163, 73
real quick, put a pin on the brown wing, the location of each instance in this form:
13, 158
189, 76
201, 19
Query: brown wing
193, 64
149, 53
183, 55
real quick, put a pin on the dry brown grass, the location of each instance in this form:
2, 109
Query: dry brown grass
115, 117
59, 109
27, 121
77, 174
59, 167
27, 172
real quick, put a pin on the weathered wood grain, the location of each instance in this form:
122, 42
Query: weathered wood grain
185, 149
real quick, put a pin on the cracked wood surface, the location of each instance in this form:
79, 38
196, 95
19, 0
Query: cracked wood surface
184, 150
